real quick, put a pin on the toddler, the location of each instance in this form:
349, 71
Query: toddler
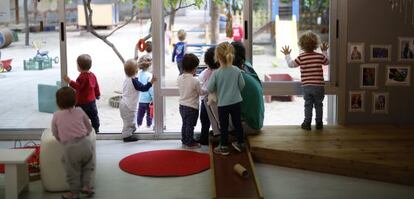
179, 50
310, 63
145, 97
129, 101
71, 126
190, 90
87, 89
227, 82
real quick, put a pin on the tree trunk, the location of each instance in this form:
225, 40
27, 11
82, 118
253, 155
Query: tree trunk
26, 23
171, 18
214, 22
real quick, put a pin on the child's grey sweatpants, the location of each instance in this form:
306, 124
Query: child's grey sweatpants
128, 119
78, 162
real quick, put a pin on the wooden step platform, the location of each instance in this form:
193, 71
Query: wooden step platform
227, 183
384, 153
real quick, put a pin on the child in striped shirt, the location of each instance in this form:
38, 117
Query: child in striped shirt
310, 63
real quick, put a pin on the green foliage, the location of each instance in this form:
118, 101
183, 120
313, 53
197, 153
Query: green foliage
167, 3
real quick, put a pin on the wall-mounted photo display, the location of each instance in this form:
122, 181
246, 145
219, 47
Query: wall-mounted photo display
356, 101
356, 52
380, 102
406, 49
398, 75
368, 76
380, 53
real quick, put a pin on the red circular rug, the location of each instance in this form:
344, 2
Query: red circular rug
165, 163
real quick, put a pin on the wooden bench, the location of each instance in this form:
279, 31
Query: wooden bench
227, 183
16, 170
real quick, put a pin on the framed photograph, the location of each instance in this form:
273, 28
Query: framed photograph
380, 53
406, 49
380, 102
356, 52
368, 75
398, 76
356, 101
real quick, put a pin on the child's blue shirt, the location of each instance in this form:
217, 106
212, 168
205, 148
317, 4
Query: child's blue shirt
144, 77
179, 51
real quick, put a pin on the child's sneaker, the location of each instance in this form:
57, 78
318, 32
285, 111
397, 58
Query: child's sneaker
193, 145
319, 125
306, 126
222, 150
132, 138
238, 146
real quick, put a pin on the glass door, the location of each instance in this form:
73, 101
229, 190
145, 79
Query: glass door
272, 24
29, 64
204, 25
115, 31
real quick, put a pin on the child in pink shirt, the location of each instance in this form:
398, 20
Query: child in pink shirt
70, 126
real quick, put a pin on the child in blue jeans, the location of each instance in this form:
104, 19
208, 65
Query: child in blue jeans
310, 63
190, 89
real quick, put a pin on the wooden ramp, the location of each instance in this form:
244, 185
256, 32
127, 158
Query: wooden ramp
384, 153
227, 183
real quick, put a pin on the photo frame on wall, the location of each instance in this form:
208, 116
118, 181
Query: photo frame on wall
356, 52
356, 101
398, 75
380, 102
406, 49
368, 76
380, 53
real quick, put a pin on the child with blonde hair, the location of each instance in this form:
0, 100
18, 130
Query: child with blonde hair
227, 82
145, 97
179, 50
130, 95
310, 63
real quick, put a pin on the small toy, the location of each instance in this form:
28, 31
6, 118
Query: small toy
40, 61
5, 65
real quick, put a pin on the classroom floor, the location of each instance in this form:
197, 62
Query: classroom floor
276, 182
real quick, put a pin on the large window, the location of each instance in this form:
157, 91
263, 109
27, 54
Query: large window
29, 81
280, 23
263, 25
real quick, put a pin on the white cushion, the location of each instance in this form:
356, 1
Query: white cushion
52, 172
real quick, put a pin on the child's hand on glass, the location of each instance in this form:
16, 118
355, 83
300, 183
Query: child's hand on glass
324, 46
153, 79
66, 79
286, 50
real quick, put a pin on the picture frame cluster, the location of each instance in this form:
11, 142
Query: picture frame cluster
396, 74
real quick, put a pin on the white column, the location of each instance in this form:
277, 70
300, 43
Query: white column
158, 62
62, 41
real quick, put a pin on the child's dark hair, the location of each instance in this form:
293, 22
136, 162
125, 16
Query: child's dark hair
84, 62
65, 98
209, 58
131, 67
239, 53
148, 47
308, 41
190, 62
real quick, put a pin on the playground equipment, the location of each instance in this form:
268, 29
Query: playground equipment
6, 38
5, 65
41, 60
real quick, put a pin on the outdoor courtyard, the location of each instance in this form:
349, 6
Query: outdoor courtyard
19, 87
